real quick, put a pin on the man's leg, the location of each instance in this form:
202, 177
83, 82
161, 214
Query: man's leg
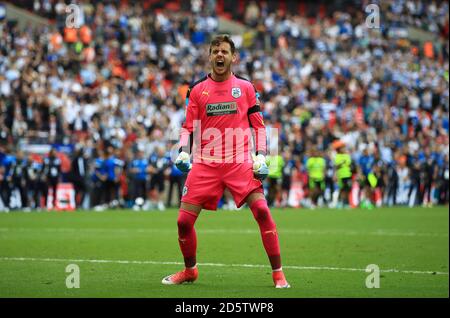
46, 190
314, 193
83, 190
180, 181
103, 192
203, 189
55, 198
187, 239
258, 205
37, 193
95, 194
23, 195
245, 188
394, 194
6, 193
169, 194
345, 192
161, 188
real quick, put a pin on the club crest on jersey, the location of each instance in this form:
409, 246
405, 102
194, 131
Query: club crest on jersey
236, 92
185, 190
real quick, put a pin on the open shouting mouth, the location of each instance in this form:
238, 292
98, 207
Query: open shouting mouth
220, 64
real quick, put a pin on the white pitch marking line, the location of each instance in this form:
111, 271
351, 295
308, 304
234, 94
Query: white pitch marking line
30, 259
234, 231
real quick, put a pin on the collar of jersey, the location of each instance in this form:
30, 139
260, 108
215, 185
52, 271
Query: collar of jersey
209, 76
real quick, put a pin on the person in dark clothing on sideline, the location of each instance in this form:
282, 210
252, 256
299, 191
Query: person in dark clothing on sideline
414, 190
391, 181
19, 178
36, 182
98, 179
428, 168
177, 179
139, 177
78, 175
52, 173
110, 170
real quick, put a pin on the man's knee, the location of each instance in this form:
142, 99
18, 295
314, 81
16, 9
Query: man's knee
186, 220
261, 213
183, 224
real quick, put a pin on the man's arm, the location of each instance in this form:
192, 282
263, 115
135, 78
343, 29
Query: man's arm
186, 133
59, 166
11, 170
308, 164
256, 121
101, 176
183, 162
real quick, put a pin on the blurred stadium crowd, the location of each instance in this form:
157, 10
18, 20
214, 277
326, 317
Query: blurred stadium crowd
108, 99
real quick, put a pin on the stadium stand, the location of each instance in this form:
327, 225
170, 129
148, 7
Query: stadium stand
116, 86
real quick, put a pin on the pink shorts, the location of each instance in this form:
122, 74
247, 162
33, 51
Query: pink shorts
205, 183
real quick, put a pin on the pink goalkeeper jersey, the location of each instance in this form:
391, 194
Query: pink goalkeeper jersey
224, 118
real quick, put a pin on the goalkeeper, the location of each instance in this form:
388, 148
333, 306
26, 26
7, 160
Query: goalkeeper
218, 105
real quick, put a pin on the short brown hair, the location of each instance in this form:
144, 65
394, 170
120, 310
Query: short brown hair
222, 38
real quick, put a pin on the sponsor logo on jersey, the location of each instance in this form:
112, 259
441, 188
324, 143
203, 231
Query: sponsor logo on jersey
221, 109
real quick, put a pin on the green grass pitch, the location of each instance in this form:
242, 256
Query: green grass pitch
324, 252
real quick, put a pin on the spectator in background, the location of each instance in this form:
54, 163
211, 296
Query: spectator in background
6, 183
274, 179
391, 181
343, 166
159, 169
119, 168
109, 185
380, 186
122, 77
139, 179
19, 180
3, 206
252, 16
227, 201
367, 178
288, 171
36, 181
428, 174
51, 174
414, 168
329, 176
442, 184
79, 175
316, 167
404, 181
176, 178
98, 179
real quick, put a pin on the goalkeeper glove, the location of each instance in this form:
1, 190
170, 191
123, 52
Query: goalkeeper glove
260, 168
183, 162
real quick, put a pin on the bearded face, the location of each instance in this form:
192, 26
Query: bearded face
221, 59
